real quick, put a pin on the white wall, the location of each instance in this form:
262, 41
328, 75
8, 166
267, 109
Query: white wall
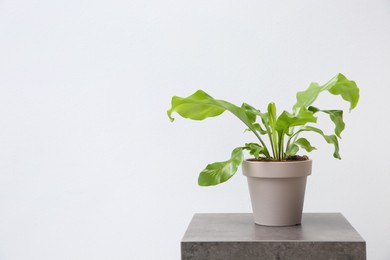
91, 167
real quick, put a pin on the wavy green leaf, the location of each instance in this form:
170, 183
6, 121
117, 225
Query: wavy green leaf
198, 106
292, 150
330, 139
305, 144
201, 105
338, 85
287, 120
336, 116
220, 172
250, 112
307, 97
344, 87
258, 127
254, 149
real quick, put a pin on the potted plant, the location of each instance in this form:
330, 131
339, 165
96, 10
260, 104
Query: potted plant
276, 175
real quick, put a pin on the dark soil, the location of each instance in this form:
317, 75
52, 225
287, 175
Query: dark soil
290, 158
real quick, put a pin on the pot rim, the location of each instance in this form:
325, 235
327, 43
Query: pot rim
277, 169
250, 160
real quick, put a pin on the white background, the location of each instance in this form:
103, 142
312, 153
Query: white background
91, 167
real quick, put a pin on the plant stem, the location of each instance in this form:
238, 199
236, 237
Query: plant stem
293, 136
261, 141
281, 140
272, 143
270, 140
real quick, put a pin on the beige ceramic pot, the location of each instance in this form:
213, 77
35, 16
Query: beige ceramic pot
277, 190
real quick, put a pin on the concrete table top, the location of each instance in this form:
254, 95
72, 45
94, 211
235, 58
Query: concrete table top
236, 236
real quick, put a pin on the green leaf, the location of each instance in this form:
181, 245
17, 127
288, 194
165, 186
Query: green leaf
200, 106
338, 85
305, 144
287, 120
258, 127
250, 111
264, 118
254, 149
307, 97
220, 172
292, 150
272, 115
330, 139
348, 89
336, 116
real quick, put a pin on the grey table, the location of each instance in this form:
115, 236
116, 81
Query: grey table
321, 236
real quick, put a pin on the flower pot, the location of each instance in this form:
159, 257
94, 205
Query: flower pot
277, 190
